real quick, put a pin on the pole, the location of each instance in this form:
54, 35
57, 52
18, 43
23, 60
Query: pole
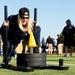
60, 62
35, 14
35, 20
5, 45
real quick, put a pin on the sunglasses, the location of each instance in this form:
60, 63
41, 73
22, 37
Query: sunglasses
24, 17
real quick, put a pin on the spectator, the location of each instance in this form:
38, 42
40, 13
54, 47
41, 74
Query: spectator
68, 37
49, 42
43, 45
53, 45
59, 44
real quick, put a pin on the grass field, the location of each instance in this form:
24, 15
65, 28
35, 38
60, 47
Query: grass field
52, 60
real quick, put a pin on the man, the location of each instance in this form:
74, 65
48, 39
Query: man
68, 37
59, 44
43, 45
37, 32
49, 42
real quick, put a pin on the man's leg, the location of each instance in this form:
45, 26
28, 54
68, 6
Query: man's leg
71, 51
58, 48
66, 51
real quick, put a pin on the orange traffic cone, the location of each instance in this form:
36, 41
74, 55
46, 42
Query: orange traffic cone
32, 42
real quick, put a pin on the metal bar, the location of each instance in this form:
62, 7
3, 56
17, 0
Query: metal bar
60, 62
5, 48
35, 20
35, 14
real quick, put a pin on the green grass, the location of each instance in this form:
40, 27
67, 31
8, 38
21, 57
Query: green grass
52, 60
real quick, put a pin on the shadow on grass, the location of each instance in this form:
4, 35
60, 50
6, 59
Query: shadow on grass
15, 68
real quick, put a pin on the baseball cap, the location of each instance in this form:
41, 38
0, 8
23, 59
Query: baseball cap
23, 10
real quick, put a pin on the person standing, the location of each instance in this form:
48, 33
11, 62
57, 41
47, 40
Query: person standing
43, 45
59, 44
68, 37
53, 46
49, 42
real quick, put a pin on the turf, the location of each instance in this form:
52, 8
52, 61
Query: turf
51, 60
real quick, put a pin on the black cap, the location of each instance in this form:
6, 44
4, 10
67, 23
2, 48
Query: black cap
23, 10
